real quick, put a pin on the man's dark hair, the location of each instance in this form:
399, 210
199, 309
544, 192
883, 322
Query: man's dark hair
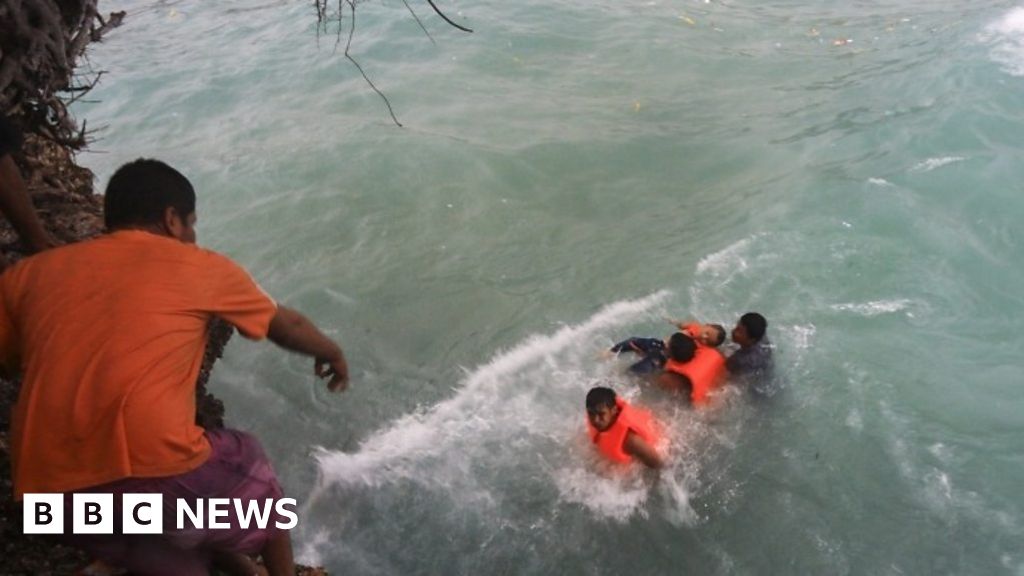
600, 397
755, 325
141, 190
681, 347
720, 330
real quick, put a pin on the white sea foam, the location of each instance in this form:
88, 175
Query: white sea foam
802, 336
608, 495
933, 163
1005, 38
940, 451
309, 552
725, 261
879, 182
855, 421
875, 307
518, 394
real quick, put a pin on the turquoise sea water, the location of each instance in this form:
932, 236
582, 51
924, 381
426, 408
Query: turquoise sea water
569, 174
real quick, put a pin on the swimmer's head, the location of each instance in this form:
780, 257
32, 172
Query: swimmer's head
681, 347
711, 335
601, 408
750, 329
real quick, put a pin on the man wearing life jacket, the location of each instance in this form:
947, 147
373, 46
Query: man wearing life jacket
621, 431
694, 367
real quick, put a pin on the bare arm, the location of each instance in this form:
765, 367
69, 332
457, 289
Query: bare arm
17, 207
638, 448
674, 383
293, 331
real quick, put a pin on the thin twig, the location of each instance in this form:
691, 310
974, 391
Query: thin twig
319, 13
341, 12
352, 32
446, 19
424, 28
319, 19
83, 90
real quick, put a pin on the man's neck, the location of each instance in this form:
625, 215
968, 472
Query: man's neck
155, 229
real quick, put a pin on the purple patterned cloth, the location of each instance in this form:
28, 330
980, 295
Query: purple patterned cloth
237, 468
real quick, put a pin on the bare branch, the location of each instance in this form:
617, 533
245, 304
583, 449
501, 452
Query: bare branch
351, 32
446, 19
106, 25
422, 27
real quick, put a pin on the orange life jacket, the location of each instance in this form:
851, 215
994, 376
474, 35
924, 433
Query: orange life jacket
706, 372
692, 329
610, 441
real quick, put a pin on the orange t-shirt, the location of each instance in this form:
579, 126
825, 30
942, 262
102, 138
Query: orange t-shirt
109, 335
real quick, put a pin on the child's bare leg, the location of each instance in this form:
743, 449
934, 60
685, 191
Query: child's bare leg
277, 555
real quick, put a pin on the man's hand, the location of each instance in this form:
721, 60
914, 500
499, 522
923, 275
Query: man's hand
293, 331
337, 369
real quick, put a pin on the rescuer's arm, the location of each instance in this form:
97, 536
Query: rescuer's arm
293, 331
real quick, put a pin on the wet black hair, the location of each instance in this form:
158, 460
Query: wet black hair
755, 325
681, 347
600, 397
721, 334
140, 192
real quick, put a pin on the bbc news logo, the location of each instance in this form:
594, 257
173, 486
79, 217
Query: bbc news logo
144, 513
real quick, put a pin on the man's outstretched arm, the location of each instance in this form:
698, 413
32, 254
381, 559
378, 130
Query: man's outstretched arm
293, 331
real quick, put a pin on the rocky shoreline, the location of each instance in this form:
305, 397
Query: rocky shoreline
63, 195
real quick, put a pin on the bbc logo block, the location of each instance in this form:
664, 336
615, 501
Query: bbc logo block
142, 513
93, 513
44, 514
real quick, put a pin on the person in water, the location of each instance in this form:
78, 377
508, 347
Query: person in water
692, 368
754, 356
710, 335
652, 351
621, 431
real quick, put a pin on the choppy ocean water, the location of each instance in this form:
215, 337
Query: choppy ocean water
567, 175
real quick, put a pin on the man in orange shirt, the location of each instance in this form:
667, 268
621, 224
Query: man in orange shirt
109, 336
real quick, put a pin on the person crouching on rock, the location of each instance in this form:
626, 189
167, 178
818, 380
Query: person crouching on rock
109, 336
